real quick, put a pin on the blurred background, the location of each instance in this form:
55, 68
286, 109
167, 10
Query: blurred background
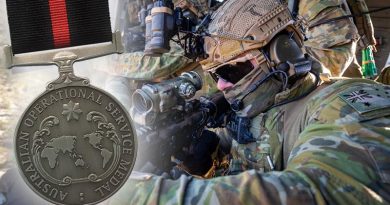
382, 32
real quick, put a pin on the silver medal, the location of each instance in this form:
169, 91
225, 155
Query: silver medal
75, 144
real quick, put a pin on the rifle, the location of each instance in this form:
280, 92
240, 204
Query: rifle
171, 125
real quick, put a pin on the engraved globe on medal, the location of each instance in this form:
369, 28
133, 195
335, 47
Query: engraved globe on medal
75, 144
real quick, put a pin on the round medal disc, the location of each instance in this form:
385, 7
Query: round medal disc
75, 144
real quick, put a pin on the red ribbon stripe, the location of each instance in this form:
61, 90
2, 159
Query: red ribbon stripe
59, 23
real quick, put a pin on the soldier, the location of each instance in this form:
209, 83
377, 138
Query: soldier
132, 69
129, 71
334, 43
308, 143
337, 54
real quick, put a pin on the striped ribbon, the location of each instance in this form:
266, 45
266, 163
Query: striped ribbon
37, 25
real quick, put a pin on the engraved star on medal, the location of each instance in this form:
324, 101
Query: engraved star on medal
72, 111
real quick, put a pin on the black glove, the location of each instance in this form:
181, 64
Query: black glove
199, 160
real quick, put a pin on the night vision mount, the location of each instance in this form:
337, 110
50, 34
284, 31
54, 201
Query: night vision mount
164, 22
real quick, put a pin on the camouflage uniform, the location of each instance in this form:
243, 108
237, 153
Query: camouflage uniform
334, 43
329, 147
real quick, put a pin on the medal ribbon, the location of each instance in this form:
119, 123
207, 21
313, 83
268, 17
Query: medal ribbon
37, 25
59, 23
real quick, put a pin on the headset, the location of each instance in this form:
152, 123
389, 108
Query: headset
287, 62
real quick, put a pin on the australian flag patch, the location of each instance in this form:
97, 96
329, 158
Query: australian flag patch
368, 98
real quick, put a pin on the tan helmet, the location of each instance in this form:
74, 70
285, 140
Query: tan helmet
240, 26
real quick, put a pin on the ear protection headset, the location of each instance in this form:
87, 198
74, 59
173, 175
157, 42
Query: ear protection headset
286, 54
287, 60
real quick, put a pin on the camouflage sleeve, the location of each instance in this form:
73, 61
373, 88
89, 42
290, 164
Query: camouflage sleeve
330, 164
334, 43
138, 66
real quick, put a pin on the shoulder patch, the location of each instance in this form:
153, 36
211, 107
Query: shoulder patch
368, 98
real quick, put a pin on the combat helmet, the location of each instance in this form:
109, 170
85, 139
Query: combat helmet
263, 33
243, 25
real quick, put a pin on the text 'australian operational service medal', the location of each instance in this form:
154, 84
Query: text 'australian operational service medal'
74, 144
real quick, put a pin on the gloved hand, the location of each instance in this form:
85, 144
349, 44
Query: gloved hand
199, 159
